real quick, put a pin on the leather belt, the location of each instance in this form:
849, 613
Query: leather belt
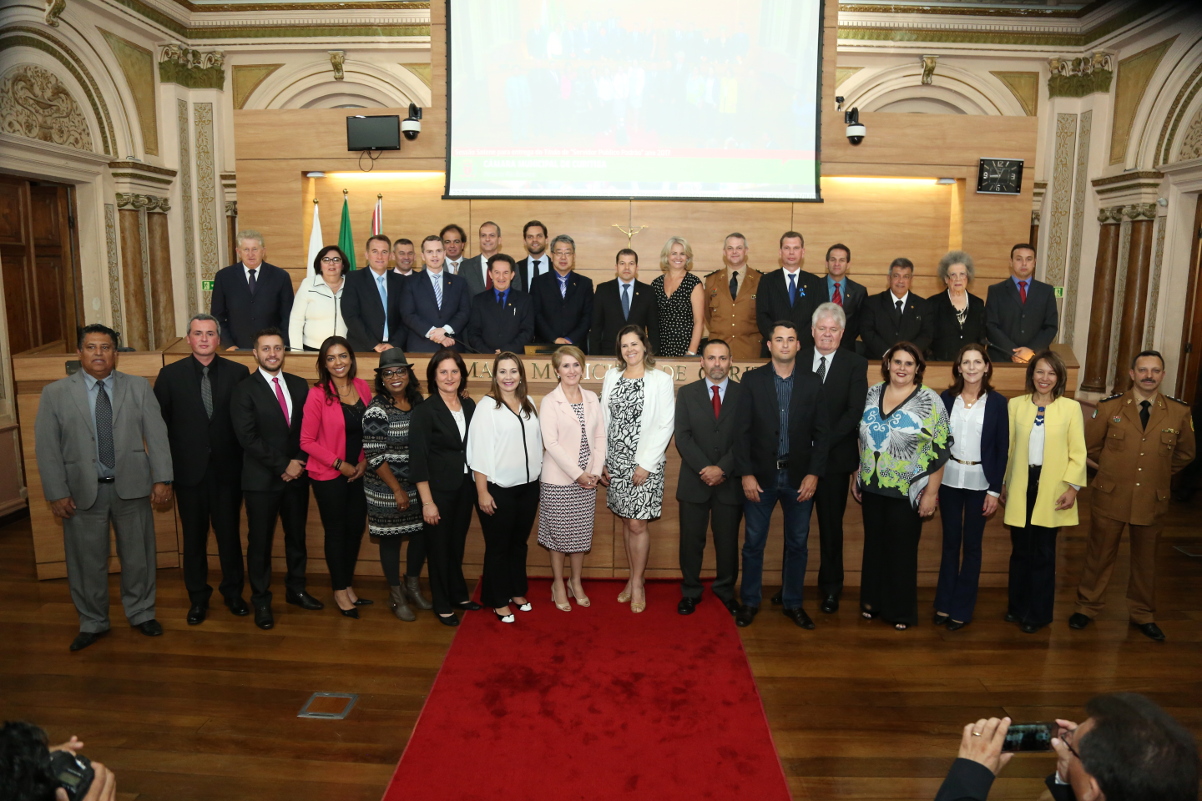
105, 479
961, 461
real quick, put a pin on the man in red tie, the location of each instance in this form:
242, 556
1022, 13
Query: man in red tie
266, 410
844, 292
707, 491
1021, 317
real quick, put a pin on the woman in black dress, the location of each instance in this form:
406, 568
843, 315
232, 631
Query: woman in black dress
680, 301
958, 315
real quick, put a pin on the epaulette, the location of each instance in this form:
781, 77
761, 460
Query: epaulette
1170, 397
715, 272
1112, 397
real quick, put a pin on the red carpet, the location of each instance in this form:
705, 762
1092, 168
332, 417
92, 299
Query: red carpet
598, 703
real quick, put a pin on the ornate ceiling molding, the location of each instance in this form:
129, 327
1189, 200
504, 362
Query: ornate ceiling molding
35, 104
139, 202
195, 69
1078, 77
1135, 187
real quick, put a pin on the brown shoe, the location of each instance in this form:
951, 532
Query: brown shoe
413, 589
400, 607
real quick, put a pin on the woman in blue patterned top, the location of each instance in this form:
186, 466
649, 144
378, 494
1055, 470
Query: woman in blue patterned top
905, 439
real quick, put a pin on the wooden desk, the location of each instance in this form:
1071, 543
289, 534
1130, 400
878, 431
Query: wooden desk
608, 557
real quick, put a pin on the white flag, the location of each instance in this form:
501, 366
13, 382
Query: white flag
377, 217
315, 240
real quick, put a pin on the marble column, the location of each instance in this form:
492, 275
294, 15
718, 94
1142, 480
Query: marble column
1135, 297
1097, 357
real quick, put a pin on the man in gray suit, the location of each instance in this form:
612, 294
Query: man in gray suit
706, 413
475, 269
104, 456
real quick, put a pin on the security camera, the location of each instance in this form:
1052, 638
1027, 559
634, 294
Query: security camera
411, 126
855, 131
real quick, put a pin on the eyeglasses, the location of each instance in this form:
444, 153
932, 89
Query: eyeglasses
1067, 739
394, 373
331, 260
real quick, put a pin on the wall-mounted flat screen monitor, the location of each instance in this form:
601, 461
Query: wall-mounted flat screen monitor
373, 133
668, 99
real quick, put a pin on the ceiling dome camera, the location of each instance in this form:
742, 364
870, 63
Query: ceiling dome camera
855, 131
411, 126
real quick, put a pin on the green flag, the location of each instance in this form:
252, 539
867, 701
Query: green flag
346, 240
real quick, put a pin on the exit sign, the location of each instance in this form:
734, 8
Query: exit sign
1059, 291
207, 286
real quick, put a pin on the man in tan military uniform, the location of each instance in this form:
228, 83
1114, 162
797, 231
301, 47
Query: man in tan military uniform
1139, 439
730, 314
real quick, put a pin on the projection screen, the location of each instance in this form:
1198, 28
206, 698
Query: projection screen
665, 99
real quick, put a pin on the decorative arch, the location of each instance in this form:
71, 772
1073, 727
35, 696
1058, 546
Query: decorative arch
35, 104
312, 85
1168, 105
958, 90
21, 36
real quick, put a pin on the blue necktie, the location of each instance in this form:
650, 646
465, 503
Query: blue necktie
792, 288
383, 301
626, 301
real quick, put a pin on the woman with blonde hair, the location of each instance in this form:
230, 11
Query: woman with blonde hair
574, 438
680, 301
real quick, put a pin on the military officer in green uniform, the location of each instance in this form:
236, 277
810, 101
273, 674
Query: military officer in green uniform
1139, 439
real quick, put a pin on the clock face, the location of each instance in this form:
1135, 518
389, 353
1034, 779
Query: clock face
1000, 176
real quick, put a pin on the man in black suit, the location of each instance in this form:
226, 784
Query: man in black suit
251, 295
706, 422
502, 317
454, 239
371, 301
475, 270
780, 463
537, 262
844, 292
266, 411
194, 396
896, 315
1021, 317
621, 302
844, 377
435, 305
563, 300
788, 293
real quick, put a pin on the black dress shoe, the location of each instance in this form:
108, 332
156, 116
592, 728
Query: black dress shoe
352, 612
955, 625
732, 606
939, 619
238, 607
196, 615
1010, 618
799, 617
362, 602
829, 605
779, 598
469, 606
304, 600
150, 628
263, 617
1030, 628
1079, 621
745, 615
686, 606
448, 621
1150, 630
86, 638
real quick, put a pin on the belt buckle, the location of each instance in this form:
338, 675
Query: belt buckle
782, 464
105, 479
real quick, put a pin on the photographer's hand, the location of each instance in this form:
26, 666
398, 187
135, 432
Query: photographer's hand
982, 743
104, 785
1064, 756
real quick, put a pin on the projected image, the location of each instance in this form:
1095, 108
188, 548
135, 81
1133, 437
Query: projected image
659, 98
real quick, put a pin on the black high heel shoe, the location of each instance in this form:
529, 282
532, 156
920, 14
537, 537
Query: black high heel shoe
362, 602
352, 612
503, 618
448, 621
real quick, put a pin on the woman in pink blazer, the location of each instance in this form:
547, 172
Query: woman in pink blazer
332, 436
574, 439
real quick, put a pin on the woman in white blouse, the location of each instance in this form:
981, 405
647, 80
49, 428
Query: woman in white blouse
639, 412
316, 312
505, 451
972, 481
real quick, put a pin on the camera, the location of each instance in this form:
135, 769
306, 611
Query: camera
411, 126
74, 773
855, 131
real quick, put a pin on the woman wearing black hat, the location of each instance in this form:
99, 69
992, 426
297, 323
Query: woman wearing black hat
393, 509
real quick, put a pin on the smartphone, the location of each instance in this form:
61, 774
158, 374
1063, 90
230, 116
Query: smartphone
1030, 737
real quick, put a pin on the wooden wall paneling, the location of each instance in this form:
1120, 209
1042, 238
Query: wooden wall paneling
705, 224
15, 254
162, 292
137, 325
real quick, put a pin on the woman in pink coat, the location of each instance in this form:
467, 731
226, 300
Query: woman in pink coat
574, 439
332, 436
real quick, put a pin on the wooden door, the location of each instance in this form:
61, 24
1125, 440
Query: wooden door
1189, 375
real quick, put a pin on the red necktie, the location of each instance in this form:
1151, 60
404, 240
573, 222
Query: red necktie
279, 395
487, 276
838, 296
1022, 291
717, 402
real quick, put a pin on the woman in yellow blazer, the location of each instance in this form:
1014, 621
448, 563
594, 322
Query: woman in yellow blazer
1044, 473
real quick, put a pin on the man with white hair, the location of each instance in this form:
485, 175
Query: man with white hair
251, 295
844, 376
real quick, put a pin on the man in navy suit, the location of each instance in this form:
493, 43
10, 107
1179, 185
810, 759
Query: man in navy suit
789, 293
371, 301
896, 315
502, 317
1021, 317
563, 300
844, 292
435, 305
251, 295
621, 302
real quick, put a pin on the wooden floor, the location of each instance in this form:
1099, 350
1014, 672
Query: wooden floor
856, 709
